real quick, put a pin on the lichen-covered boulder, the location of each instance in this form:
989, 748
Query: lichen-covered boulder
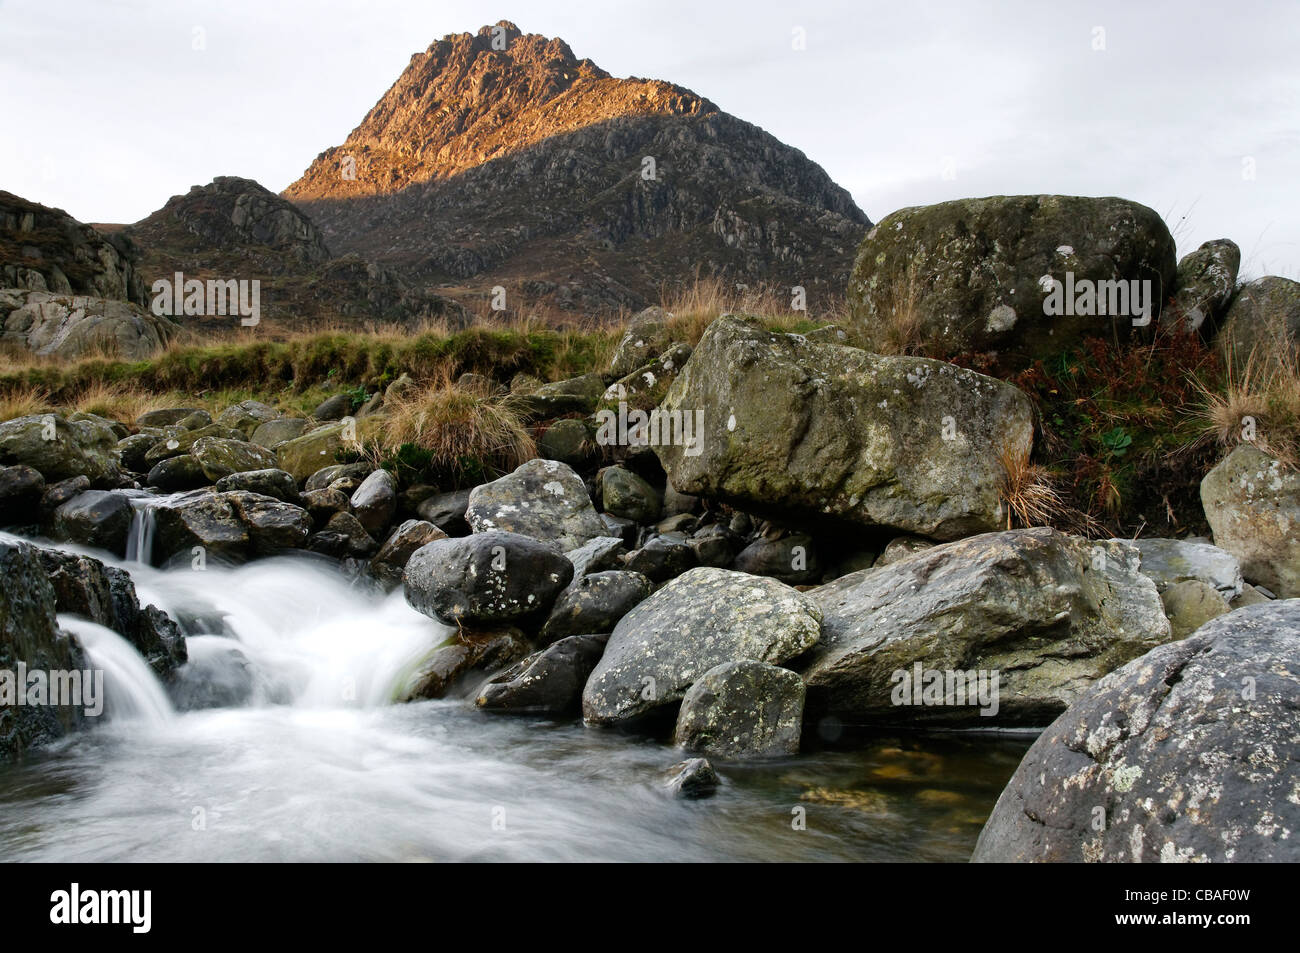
1047, 614
742, 709
820, 430
219, 457
1263, 319
1187, 754
485, 579
543, 499
1205, 281
974, 274
701, 619
1252, 503
70, 326
58, 448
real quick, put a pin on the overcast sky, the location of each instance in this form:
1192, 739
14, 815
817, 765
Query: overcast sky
110, 109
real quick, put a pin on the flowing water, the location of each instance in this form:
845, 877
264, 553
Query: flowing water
306, 759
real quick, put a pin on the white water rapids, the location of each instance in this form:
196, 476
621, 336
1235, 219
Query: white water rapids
304, 757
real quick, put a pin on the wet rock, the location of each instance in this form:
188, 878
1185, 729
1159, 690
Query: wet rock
99, 518
594, 603
1186, 754
462, 661
543, 499
388, 564
56, 494
699, 620
217, 675
177, 473
323, 504
662, 558
742, 709
21, 488
546, 682
486, 578
694, 778
374, 502
359, 542
132, 449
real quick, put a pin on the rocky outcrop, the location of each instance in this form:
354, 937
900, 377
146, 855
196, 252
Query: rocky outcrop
47, 250
1187, 754
1252, 502
701, 619
973, 275
825, 431
1039, 615
483, 161
70, 327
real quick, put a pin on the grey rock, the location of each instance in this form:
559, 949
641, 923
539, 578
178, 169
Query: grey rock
374, 502
1171, 561
594, 603
546, 682
625, 494
388, 564
271, 482
1252, 503
742, 709
99, 518
543, 499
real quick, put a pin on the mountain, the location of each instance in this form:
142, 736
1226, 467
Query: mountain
501, 158
236, 228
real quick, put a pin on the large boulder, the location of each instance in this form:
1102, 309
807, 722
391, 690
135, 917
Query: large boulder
59, 449
1187, 754
485, 579
1206, 279
974, 274
701, 619
830, 431
1037, 615
67, 326
742, 709
30, 637
21, 489
1264, 317
543, 499
1252, 503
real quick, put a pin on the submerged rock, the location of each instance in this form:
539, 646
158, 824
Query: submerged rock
1187, 754
694, 778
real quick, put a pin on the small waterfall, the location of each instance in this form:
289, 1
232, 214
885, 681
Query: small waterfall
139, 541
131, 688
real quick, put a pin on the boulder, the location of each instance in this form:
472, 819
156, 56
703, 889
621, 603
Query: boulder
646, 386
272, 433
446, 511
99, 518
220, 458
578, 395
356, 541
594, 603
485, 579
131, 451
1186, 754
73, 326
177, 473
323, 504
1265, 315
543, 499
21, 489
1190, 604
699, 620
900, 547
645, 336
374, 502
1252, 503
59, 449
601, 553
974, 275
625, 494
742, 709
326, 477
568, 441
174, 446
229, 526
163, 417
1171, 561
269, 482
335, 407
30, 636
1035, 615
197, 421
1205, 280
836, 433
317, 448
662, 558
388, 564
792, 559
548, 682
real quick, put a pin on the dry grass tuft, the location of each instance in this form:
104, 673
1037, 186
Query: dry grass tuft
1031, 497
